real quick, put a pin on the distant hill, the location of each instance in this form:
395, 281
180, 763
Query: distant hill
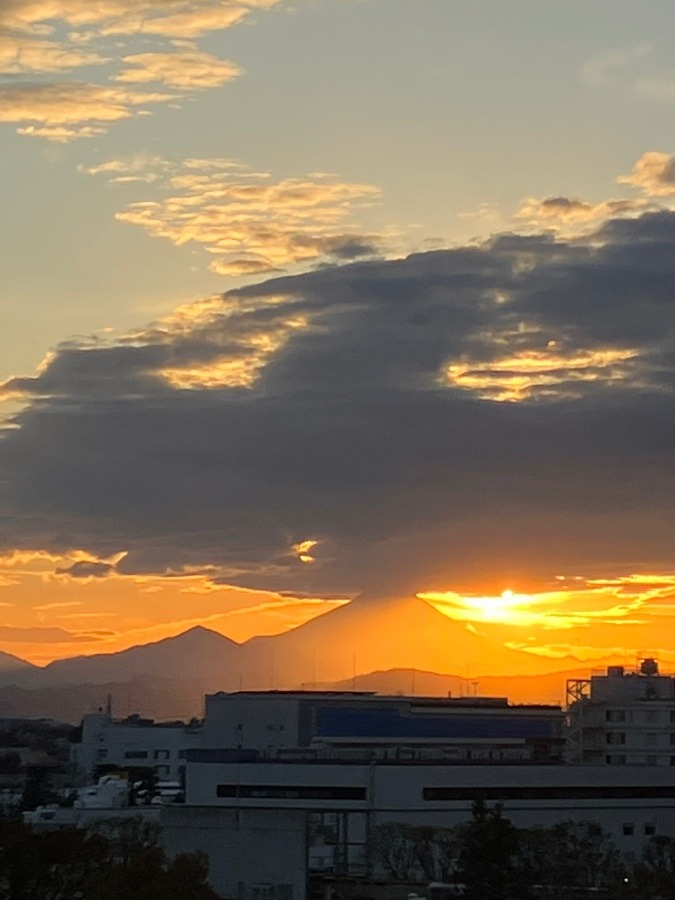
547, 688
156, 698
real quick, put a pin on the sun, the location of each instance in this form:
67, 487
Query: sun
498, 609
507, 608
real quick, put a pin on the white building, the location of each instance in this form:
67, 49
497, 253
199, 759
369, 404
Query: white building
135, 742
279, 771
622, 717
284, 785
261, 822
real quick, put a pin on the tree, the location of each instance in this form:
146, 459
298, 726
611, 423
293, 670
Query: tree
569, 855
654, 876
88, 865
392, 848
488, 859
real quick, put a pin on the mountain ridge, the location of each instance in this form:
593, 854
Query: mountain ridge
365, 635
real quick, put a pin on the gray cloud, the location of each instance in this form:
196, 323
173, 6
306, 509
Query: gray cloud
370, 423
90, 569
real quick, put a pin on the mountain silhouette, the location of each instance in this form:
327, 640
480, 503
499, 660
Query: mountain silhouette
170, 677
370, 634
198, 653
10, 664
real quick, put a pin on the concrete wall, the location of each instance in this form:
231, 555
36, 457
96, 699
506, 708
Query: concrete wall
259, 721
253, 853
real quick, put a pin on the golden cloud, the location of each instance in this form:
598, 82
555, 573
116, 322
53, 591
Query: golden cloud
578, 607
29, 44
20, 55
653, 174
553, 371
555, 212
188, 69
250, 223
64, 111
139, 168
171, 18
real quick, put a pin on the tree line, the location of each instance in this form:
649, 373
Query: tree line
491, 859
113, 860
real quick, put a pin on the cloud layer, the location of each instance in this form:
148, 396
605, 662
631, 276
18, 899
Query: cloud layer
248, 223
338, 407
106, 44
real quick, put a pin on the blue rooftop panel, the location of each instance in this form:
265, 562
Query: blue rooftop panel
345, 722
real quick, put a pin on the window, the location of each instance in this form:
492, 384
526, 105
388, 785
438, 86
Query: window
552, 792
136, 754
101, 753
616, 759
651, 738
650, 829
616, 737
652, 716
652, 760
615, 715
628, 829
290, 792
337, 842
162, 754
672, 715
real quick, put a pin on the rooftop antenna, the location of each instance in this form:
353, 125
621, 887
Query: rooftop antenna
108, 706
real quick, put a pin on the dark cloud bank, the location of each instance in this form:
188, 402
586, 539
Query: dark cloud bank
353, 436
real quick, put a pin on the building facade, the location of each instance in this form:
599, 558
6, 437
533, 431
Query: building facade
134, 742
622, 717
268, 826
359, 725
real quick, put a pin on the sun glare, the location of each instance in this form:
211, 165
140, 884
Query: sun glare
499, 609
507, 608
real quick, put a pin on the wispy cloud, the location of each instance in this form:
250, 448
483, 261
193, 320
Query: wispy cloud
248, 222
56, 37
653, 174
63, 111
570, 212
21, 55
184, 69
606, 67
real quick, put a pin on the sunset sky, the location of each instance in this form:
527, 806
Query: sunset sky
311, 299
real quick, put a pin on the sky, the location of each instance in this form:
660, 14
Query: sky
310, 300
